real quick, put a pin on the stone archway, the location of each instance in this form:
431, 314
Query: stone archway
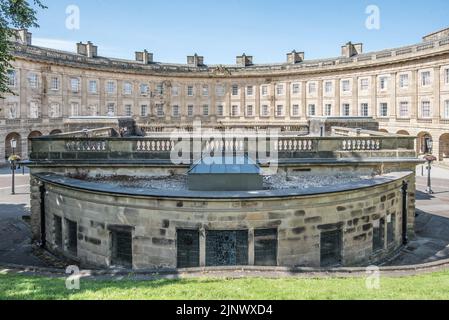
383, 130
34, 134
403, 132
56, 131
444, 146
8, 149
423, 143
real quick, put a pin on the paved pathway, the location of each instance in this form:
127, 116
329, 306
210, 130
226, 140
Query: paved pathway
15, 244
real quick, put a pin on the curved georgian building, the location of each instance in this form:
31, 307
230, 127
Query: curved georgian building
405, 89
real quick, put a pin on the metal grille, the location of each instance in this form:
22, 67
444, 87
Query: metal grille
379, 235
265, 247
122, 253
57, 224
188, 247
226, 248
331, 248
72, 229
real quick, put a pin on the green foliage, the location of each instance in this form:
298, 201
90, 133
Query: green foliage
427, 286
14, 14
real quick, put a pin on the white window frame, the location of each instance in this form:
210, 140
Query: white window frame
74, 109
160, 110
296, 89
346, 86
75, 84
128, 88
280, 110
250, 91
404, 110
311, 107
426, 78
190, 110
265, 110
205, 110
346, 110
328, 86
427, 107
110, 87
220, 110
220, 90
364, 84
111, 109
264, 90
383, 106
404, 81
190, 91
93, 86
55, 84
248, 108
12, 78
235, 90
235, 111
312, 87
280, 90
128, 110
364, 109
295, 110
33, 80
205, 90
327, 109
144, 110
144, 89
175, 111
383, 83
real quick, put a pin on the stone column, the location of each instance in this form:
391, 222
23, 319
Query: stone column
202, 247
35, 202
319, 107
304, 100
337, 97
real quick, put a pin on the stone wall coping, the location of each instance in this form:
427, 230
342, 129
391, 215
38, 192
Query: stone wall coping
168, 163
226, 195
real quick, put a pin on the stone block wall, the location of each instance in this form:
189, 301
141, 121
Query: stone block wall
154, 222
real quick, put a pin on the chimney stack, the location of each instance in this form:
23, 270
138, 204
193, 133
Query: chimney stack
244, 60
145, 57
195, 60
350, 49
88, 50
295, 57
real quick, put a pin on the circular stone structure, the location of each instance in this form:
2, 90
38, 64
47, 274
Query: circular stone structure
105, 224
108, 201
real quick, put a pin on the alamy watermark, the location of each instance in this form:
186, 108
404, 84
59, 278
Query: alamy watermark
373, 20
373, 278
227, 146
73, 19
73, 281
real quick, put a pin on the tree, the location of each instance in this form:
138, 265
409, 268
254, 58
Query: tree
14, 14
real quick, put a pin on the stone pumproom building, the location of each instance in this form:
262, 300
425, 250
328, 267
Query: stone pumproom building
405, 89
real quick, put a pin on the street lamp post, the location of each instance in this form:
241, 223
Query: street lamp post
429, 158
12, 161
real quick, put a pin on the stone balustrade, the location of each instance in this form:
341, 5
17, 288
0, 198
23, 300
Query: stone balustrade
161, 148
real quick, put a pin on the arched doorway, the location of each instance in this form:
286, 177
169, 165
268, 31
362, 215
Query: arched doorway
444, 146
34, 134
54, 132
403, 132
424, 143
383, 130
8, 149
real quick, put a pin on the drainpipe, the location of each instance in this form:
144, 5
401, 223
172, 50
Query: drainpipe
43, 228
404, 212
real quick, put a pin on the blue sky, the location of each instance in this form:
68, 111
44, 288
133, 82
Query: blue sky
221, 29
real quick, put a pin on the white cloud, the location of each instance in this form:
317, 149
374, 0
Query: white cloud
57, 44
70, 46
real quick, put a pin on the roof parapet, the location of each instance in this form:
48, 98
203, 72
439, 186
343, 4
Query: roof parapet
195, 60
351, 49
244, 60
89, 49
436, 35
295, 57
144, 56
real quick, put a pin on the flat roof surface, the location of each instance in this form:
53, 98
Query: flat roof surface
225, 165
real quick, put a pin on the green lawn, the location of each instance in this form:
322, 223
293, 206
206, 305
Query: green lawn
430, 286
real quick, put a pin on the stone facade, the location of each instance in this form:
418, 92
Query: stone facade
405, 89
299, 220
